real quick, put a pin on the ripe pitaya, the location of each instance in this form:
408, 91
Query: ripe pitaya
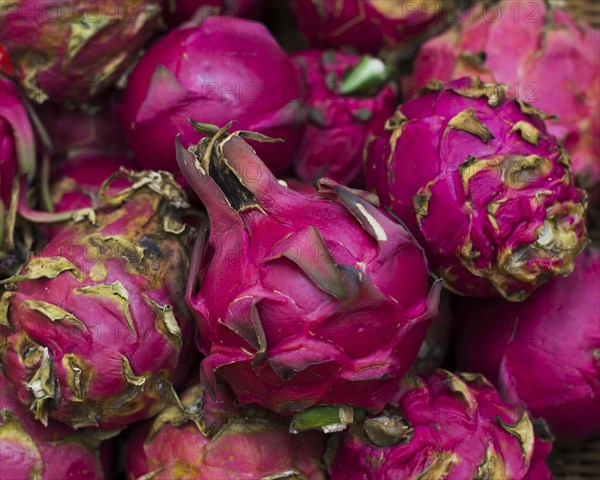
545, 351
28, 450
93, 330
204, 439
370, 25
64, 50
300, 299
346, 97
444, 426
550, 61
178, 11
486, 190
225, 68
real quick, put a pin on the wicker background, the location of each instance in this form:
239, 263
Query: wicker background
588, 10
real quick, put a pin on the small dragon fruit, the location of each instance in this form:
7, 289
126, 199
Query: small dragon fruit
446, 427
346, 97
93, 330
543, 54
28, 450
179, 11
300, 299
64, 50
370, 25
545, 351
225, 68
476, 177
204, 439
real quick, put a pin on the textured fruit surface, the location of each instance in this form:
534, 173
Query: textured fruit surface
544, 56
224, 69
64, 50
211, 439
443, 426
93, 329
300, 299
28, 450
483, 186
346, 97
544, 352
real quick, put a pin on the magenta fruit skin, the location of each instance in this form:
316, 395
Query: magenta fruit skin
176, 12
338, 124
544, 352
94, 331
483, 186
223, 69
443, 426
284, 280
70, 51
30, 450
221, 441
518, 42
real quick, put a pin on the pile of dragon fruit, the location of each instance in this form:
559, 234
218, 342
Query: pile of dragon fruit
304, 239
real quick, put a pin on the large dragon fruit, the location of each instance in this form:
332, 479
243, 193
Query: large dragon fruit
370, 25
222, 69
30, 450
64, 50
94, 332
544, 55
545, 351
346, 97
300, 299
206, 439
178, 11
474, 174
446, 427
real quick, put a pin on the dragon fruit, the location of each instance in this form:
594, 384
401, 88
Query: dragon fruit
178, 11
300, 299
225, 68
204, 439
545, 351
64, 50
370, 25
476, 177
346, 97
30, 450
443, 426
94, 330
543, 54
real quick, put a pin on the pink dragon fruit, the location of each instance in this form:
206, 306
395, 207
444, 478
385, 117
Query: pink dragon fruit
30, 450
300, 299
64, 50
204, 439
444, 426
544, 55
545, 351
94, 330
179, 11
476, 177
225, 68
346, 97
370, 25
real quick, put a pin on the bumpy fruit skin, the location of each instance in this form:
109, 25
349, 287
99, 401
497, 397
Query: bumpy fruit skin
483, 186
340, 116
223, 69
300, 299
178, 11
519, 42
446, 427
211, 441
30, 450
544, 352
370, 25
93, 330
64, 50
